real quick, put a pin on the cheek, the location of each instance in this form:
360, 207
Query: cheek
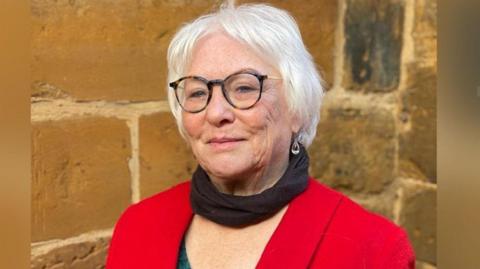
192, 134
278, 122
192, 125
268, 126
275, 116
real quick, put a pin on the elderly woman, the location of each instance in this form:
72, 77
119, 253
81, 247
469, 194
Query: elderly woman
246, 96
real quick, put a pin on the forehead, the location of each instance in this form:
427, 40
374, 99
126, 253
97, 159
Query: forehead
218, 55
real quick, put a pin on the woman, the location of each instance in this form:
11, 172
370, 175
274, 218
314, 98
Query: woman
246, 97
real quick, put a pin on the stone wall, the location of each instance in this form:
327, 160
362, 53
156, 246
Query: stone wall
103, 138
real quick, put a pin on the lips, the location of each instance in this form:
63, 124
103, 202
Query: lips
224, 143
224, 140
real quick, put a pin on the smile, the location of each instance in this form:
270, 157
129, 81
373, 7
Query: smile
224, 143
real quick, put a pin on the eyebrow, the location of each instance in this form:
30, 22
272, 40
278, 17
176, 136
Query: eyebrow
248, 69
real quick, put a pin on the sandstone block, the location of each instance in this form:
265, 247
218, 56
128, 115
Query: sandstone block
355, 146
75, 256
381, 203
80, 175
418, 215
418, 141
165, 159
373, 44
104, 50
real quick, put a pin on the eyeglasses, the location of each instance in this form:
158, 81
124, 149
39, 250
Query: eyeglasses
242, 90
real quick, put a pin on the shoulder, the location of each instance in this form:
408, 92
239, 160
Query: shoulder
377, 241
173, 197
350, 214
142, 227
167, 202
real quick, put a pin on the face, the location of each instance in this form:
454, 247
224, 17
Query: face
232, 144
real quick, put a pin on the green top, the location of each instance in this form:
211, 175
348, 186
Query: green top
183, 262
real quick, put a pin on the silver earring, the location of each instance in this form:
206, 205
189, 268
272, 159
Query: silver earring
295, 147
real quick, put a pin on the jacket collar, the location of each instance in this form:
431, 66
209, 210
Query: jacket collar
301, 229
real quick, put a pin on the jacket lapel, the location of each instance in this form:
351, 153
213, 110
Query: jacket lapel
301, 229
173, 224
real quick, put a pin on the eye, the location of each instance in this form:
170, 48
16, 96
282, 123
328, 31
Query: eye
197, 93
245, 89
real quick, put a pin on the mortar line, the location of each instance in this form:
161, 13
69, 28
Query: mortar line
406, 56
43, 247
339, 45
397, 206
134, 162
408, 46
428, 185
59, 109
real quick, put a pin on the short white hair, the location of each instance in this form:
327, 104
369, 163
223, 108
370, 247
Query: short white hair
274, 35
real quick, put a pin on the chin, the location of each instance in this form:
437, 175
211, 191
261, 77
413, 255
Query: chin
230, 167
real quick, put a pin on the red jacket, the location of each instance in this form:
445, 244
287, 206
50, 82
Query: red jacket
321, 229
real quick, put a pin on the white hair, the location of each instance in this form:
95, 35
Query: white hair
274, 35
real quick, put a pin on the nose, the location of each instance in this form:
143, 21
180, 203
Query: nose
218, 111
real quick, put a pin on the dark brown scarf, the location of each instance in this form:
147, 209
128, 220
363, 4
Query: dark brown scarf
235, 211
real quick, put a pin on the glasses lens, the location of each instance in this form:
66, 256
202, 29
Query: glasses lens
192, 94
243, 90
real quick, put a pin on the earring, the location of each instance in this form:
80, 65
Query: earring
295, 147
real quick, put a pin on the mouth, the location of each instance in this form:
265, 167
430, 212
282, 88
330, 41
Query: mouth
224, 143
